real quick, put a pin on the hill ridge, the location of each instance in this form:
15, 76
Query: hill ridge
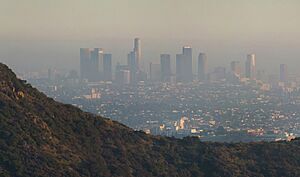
41, 137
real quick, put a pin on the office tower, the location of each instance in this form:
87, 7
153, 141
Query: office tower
91, 64
202, 67
188, 63
184, 65
96, 68
125, 75
235, 68
134, 62
155, 72
250, 66
283, 73
107, 67
138, 51
131, 62
122, 74
165, 67
84, 63
100, 54
179, 68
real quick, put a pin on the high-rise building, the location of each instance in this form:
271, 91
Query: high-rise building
131, 62
91, 64
179, 68
122, 75
250, 66
96, 60
99, 53
202, 67
188, 63
107, 67
165, 67
138, 50
134, 62
155, 72
184, 65
85, 63
283, 73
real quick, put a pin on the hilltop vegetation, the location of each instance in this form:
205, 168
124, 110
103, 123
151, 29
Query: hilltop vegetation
41, 137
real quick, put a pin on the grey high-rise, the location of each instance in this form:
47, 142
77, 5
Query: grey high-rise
138, 50
131, 62
202, 67
184, 65
250, 66
165, 67
85, 63
107, 67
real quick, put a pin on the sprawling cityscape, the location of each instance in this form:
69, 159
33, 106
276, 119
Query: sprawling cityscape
232, 105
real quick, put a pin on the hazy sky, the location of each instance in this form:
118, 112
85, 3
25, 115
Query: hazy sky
49, 33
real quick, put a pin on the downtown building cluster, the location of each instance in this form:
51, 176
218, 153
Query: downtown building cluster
95, 65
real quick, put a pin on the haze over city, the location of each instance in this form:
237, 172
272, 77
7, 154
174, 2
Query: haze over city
151, 88
37, 35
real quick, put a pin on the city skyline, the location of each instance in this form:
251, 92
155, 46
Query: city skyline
50, 33
95, 65
149, 88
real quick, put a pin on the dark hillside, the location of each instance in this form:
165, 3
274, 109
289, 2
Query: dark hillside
41, 137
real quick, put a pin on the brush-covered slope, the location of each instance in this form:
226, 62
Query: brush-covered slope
41, 137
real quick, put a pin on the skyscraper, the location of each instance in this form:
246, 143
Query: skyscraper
188, 63
138, 50
250, 66
99, 53
202, 67
283, 73
84, 63
131, 62
165, 67
91, 64
179, 68
122, 74
184, 65
107, 67
134, 62
96, 60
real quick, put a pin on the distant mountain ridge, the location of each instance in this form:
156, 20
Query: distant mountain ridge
41, 137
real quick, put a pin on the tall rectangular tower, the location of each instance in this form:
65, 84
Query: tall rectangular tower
202, 67
165, 67
85, 63
107, 67
184, 65
179, 68
138, 50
